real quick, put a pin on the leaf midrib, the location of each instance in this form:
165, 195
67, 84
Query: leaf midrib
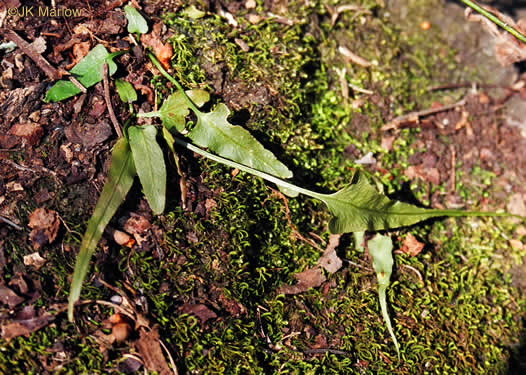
430, 212
327, 197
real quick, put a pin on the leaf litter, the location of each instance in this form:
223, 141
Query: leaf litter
9, 297
163, 51
45, 224
34, 260
310, 278
149, 347
411, 245
314, 277
330, 260
25, 323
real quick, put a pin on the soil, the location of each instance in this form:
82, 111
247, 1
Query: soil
203, 279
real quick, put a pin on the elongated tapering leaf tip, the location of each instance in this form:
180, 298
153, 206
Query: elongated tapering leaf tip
120, 180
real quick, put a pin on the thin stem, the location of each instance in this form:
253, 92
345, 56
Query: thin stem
233, 164
177, 84
495, 20
320, 196
459, 213
149, 114
383, 307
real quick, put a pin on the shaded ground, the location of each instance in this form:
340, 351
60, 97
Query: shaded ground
205, 275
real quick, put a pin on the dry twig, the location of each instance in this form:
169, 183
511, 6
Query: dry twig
453, 172
326, 350
295, 231
415, 116
10, 222
42, 169
108, 101
24, 46
352, 57
79, 85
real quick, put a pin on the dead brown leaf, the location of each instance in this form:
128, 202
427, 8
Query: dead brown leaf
199, 310
105, 341
9, 298
66, 152
8, 141
45, 224
354, 58
28, 312
210, 204
34, 260
30, 132
13, 186
310, 278
163, 51
121, 331
97, 107
192, 237
387, 142
87, 133
516, 244
61, 47
411, 245
517, 205
233, 307
150, 350
329, 260
320, 341
9, 4
254, 18
137, 225
38, 45
428, 174
19, 283
123, 238
242, 44
25, 325
2, 259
